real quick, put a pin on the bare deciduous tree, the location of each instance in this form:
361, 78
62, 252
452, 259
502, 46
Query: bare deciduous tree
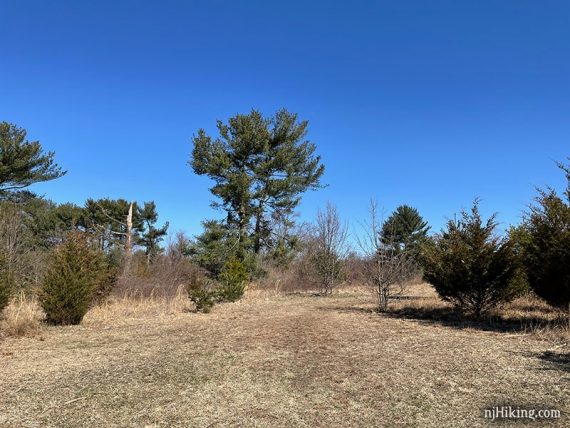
11, 240
386, 266
329, 247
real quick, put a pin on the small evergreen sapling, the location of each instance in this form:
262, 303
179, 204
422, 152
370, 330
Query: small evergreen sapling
232, 279
201, 292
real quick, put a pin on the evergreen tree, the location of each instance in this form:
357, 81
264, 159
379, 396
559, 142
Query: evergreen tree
107, 220
217, 244
23, 162
151, 236
76, 273
47, 222
259, 166
232, 278
470, 266
405, 229
546, 245
283, 243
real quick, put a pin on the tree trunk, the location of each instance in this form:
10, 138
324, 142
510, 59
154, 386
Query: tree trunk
257, 238
129, 246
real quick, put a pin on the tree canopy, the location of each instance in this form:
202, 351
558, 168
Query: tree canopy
150, 236
23, 162
260, 166
404, 229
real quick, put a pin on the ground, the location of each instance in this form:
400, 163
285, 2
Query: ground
283, 360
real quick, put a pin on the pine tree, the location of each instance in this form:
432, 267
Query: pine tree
232, 278
151, 236
23, 162
216, 245
259, 166
405, 229
107, 220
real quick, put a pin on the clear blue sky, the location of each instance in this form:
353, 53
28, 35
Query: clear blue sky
429, 103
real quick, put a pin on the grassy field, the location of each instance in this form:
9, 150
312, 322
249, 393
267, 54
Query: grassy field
277, 360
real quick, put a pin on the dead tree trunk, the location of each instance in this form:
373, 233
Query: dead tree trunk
129, 245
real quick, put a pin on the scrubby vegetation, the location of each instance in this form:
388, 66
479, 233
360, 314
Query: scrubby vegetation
387, 264
76, 273
6, 283
470, 266
202, 292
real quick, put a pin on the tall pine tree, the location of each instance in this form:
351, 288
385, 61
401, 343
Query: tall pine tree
260, 166
23, 162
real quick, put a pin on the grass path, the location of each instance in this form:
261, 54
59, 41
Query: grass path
284, 361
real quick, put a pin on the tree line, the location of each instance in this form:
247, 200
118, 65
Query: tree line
259, 168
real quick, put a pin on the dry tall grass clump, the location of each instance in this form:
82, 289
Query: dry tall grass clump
22, 317
125, 308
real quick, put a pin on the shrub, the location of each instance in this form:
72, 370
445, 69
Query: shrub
106, 282
232, 280
470, 266
72, 279
546, 249
203, 299
204, 292
201, 292
520, 238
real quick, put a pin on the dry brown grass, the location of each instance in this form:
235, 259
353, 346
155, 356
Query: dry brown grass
527, 314
274, 360
133, 306
21, 318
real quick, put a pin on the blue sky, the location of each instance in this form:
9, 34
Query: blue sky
429, 103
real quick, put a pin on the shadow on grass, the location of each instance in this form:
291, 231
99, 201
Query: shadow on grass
450, 317
306, 293
349, 309
403, 297
551, 360
556, 360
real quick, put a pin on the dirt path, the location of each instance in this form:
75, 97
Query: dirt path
285, 361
